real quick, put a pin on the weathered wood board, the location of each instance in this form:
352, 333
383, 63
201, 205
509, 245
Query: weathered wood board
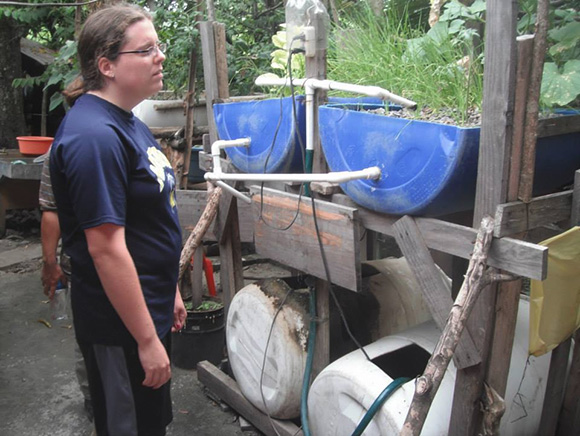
518, 257
297, 246
190, 206
227, 390
517, 217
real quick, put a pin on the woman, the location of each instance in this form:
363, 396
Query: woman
115, 193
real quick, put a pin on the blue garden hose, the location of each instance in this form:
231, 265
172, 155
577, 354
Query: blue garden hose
387, 392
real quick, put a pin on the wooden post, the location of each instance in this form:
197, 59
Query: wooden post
555, 386
227, 230
209, 74
494, 150
427, 385
570, 415
525, 46
189, 115
533, 102
201, 227
219, 33
575, 213
316, 68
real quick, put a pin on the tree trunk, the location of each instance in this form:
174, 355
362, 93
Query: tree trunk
12, 122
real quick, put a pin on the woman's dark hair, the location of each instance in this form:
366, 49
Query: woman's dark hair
103, 35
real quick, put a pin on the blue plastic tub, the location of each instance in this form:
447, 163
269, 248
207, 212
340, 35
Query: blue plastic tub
273, 149
427, 168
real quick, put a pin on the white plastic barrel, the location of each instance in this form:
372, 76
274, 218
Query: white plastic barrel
168, 113
344, 391
250, 316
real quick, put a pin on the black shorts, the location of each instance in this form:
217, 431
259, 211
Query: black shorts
122, 405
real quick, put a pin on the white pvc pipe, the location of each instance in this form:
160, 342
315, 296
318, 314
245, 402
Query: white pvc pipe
222, 143
333, 177
233, 191
331, 85
309, 118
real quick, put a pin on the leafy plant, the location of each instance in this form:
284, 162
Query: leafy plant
561, 77
205, 306
438, 68
176, 24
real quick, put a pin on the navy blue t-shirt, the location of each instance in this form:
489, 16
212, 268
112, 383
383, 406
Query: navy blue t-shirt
106, 167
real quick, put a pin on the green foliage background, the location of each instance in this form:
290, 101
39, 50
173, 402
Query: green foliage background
399, 47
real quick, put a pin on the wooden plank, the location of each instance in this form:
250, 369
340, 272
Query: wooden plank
297, 246
555, 385
435, 290
492, 177
227, 389
190, 206
558, 126
209, 74
517, 217
517, 257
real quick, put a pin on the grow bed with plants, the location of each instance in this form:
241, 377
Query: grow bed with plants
427, 168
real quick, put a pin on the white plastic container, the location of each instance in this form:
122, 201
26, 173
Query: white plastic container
250, 317
346, 389
168, 113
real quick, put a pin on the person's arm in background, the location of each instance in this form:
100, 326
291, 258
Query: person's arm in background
49, 236
118, 275
49, 232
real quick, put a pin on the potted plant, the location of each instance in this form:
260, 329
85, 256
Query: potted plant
202, 337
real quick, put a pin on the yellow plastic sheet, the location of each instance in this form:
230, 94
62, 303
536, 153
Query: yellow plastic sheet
555, 302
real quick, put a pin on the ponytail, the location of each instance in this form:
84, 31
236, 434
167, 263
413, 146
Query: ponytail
74, 90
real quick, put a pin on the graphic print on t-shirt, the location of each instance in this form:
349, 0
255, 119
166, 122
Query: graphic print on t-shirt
158, 165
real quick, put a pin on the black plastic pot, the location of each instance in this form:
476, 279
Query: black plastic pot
202, 338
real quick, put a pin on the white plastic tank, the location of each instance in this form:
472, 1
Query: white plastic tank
250, 317
168, 113
344, 391
399, 298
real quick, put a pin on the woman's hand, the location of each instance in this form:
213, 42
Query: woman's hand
155, 363
179, 313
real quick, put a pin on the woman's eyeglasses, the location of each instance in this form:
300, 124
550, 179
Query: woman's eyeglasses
151, 51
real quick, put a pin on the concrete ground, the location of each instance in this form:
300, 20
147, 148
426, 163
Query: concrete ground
39, 394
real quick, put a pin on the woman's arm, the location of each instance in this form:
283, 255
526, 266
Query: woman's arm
119, 278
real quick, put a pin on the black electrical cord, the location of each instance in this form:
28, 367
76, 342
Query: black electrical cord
301, 144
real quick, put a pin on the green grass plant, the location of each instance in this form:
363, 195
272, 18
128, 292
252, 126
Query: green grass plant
437, 69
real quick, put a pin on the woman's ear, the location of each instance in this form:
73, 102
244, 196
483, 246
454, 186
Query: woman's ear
106, 67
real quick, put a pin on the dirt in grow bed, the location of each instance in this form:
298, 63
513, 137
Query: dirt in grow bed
447, 115
441, 116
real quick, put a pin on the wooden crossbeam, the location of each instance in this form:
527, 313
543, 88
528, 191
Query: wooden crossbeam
514, 256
